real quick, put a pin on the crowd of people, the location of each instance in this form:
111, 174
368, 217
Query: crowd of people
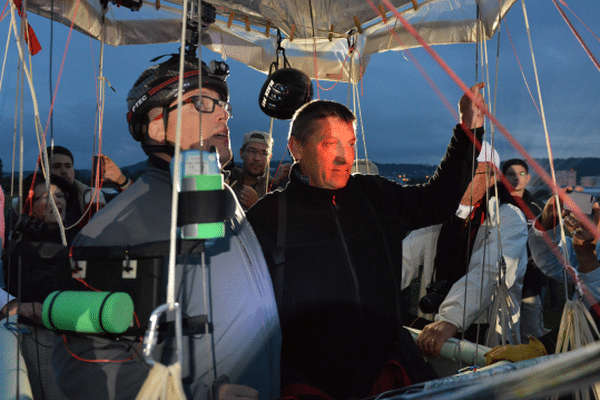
306, 282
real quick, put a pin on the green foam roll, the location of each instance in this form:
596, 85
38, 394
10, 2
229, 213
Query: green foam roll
88, 312
207, 230
204, 182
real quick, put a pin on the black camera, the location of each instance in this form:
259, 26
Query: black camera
436, 293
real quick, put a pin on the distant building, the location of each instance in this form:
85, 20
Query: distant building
566, 178
589, 181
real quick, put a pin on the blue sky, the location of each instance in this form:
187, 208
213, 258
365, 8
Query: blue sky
404, 120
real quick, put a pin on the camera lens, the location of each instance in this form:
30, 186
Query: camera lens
436, 293
430, 303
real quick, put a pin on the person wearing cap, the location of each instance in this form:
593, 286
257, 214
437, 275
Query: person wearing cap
252, 181
460, 259
244, 342
332, 243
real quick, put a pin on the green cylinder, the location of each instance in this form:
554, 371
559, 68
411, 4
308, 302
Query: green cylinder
88, 312
207, 230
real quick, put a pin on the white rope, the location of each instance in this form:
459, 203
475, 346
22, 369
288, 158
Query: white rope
501, 295
547, 138
168, 379
38, 125
102, 81
577, 330
502, 303
163, 383
358, 113
177, 170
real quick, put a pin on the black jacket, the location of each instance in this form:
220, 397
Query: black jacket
337, 286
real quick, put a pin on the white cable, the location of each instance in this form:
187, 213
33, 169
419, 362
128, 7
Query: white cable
38, 125
177, 170
547, 138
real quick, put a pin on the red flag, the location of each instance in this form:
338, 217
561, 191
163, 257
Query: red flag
30, 38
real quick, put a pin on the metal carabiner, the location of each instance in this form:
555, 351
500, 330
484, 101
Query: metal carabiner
151, 336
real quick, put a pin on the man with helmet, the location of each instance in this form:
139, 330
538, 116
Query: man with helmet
245, 336
332, 241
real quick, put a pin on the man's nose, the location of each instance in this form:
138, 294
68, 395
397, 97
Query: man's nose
341, 156
223, 113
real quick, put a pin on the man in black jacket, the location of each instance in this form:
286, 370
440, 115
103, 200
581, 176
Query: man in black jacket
332, 242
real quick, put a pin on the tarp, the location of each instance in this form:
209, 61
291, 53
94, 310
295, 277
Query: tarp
329, 39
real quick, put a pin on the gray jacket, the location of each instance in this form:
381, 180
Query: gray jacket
246, 333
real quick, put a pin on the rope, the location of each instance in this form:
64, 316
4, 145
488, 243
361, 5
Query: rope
587, 50
169, 378
37, 116
501, 310
579, 19
163, 383
362, 127
578, 283
517, 146
577, 330
502, 303
176, 171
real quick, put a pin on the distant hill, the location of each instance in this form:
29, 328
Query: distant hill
584, 167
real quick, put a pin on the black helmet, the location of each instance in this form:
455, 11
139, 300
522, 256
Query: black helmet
285, 91
157, 87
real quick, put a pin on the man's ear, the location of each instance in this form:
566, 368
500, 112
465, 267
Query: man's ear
295, 148
528, 179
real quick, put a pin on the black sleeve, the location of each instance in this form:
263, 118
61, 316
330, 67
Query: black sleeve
432, 203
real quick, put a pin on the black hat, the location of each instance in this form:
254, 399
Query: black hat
285, 91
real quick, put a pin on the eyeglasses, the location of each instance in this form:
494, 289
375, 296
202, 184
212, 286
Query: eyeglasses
205, 104
252, 151
57, 196
523, 173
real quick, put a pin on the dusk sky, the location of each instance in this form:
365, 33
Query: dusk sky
404, 119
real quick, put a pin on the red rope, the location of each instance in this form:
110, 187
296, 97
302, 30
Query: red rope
84, 283
587, 50
521, 69
65, 341
60, 72
582, 23
539, 170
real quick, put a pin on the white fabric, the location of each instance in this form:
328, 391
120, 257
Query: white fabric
488, 154
419, 248
305, 26
550, 265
